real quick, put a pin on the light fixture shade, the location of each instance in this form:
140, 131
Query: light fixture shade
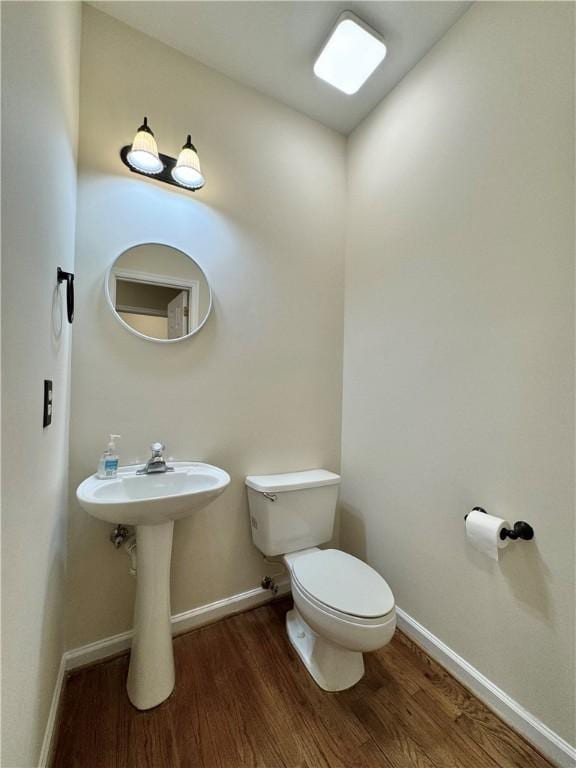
143, 154
350, 55
187, 171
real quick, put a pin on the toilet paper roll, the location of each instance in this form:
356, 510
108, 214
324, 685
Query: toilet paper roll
483, 531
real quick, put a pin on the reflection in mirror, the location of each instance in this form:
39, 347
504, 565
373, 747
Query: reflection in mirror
158, 292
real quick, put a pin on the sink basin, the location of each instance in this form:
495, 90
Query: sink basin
152, 503
134, 499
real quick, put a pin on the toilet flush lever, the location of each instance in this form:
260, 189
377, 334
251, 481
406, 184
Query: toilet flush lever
270, 496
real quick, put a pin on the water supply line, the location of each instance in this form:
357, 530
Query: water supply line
130, 547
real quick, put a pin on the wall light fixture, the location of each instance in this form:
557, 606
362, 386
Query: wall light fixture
142, 157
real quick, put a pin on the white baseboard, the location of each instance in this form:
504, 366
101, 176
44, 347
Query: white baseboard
207, 614
543, 738
46, 751
181, 622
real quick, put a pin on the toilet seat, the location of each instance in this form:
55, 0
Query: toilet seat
351, 633
334, 615
343, 586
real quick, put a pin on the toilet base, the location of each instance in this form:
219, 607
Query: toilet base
332, 667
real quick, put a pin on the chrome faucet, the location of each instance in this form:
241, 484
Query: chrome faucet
156, 463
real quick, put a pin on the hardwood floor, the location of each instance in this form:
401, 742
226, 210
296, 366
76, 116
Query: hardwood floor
243, 698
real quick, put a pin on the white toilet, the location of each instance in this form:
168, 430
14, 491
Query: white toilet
343, 607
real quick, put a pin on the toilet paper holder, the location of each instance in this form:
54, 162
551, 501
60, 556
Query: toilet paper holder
521, 529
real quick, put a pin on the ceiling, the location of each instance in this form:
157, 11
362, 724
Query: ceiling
272, 46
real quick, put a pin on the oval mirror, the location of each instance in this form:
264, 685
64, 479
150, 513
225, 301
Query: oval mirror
158, 292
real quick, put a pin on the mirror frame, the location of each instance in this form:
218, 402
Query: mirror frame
133, 330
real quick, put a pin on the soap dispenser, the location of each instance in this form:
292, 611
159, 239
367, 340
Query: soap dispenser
108, 464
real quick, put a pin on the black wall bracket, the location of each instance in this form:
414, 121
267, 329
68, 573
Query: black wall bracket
68, 278
521, 530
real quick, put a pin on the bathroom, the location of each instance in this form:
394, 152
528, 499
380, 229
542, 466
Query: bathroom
384, 298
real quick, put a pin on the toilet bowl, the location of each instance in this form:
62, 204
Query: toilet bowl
342, 607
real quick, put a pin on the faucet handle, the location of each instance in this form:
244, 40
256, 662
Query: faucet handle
157, 449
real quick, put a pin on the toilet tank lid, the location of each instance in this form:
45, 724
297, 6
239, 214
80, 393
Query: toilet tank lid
292, 481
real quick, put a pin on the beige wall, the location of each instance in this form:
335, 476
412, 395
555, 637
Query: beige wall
259, 388
40, 64
459, 355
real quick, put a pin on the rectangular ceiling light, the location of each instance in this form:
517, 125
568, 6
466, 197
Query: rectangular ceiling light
350, 55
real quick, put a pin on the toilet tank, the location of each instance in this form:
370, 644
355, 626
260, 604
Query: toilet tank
292, 511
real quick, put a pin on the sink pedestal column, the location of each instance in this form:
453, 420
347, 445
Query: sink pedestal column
151, 674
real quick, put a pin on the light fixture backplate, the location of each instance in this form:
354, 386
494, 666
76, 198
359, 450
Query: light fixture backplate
164, 175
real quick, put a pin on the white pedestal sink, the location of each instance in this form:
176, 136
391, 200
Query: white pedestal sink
152, 503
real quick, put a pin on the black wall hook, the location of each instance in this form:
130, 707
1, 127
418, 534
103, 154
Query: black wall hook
521, 529
68, 277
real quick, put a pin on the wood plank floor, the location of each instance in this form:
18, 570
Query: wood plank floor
243, 699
